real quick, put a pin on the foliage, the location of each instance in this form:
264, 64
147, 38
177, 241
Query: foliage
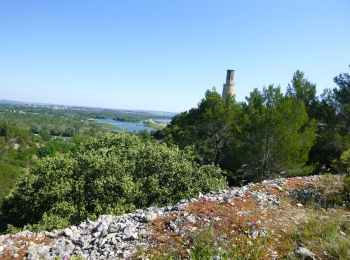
342, 99
333, 116
272, 133
8, 176
111, 174
346, 193
19, 148
29, 132
208, 128
303, 90
276, 135
345, 161
204, 246
269, 134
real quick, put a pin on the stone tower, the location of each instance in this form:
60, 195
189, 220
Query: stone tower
229, 86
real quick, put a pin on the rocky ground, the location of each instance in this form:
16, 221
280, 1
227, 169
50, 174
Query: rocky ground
257, 221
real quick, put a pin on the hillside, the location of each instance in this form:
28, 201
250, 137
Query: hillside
282, 218
32, 131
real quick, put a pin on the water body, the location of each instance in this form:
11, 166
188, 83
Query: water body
128, 126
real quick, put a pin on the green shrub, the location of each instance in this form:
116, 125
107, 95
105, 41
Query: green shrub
347, 189
204, 246
207, 245
345, 161
111, 174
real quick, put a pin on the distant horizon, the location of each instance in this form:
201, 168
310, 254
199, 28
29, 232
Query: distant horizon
164, 56
24, 102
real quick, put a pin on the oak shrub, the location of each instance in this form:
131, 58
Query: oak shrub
110, 174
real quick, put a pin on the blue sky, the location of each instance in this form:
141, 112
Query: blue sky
164, 55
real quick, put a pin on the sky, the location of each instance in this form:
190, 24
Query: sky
163, 55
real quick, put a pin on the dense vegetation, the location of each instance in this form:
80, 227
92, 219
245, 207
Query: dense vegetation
76, 172
21, 146
271, 133
110, 174
30, 132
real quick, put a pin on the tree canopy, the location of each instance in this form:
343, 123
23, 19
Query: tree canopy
110, 174
269, 134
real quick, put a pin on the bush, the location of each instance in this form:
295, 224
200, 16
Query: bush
347, 189
111, 174
204, 246
345, 161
